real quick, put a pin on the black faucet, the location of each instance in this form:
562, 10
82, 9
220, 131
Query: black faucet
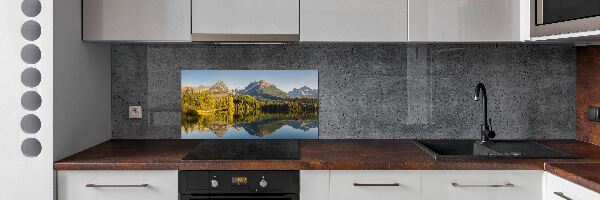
486, 129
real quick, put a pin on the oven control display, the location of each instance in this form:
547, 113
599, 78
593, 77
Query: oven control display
239, 180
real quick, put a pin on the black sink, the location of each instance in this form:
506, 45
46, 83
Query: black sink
471, 149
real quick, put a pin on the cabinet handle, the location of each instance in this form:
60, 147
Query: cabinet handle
114, 186
491, 185
376, 185
561, 195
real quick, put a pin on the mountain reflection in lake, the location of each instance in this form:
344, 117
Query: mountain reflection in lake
225, 126
265, 104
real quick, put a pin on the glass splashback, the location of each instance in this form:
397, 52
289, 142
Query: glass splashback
249, 104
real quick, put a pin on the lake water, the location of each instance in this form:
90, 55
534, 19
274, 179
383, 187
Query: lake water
264, 129
285, 132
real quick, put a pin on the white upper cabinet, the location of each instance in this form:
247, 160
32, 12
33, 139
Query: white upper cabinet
245, 20
307, 20
136, 20
354, 20
468, 20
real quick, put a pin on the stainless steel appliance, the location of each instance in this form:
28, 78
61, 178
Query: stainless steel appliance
232, 185
552, 17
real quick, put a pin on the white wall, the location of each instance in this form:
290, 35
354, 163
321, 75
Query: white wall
74, 75
82, 89
24, 177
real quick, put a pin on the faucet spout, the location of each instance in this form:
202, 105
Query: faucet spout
486, 132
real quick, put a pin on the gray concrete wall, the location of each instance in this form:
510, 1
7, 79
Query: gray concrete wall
369, 91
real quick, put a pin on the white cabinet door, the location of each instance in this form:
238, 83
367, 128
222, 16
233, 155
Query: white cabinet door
245, 17
482, 185
560, 189
136, 20
468, 20
353, 20
117, 185
314, 185
375, 185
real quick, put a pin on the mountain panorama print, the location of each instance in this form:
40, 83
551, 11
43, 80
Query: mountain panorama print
249, 104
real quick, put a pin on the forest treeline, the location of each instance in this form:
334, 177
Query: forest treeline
196, 103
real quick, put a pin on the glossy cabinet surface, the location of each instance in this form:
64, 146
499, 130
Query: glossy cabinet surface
136, 20
375, 184
482, 185
342, 185
314, 184
354, 21
422, 184
117, 185
560, 189
307, 20
245, 16
468, 20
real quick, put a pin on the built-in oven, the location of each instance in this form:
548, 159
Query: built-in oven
552, 17
237, 185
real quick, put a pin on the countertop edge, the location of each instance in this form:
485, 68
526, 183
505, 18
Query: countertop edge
572, 176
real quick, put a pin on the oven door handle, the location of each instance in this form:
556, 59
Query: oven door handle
249, 197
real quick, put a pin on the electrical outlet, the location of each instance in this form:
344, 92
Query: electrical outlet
135, 112
593, 114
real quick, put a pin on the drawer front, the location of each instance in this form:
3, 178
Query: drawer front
376, 185
560, 189
482, 185
117, 185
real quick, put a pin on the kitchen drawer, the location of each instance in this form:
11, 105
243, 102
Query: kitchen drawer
376, 185
482, 185
162, 185
556, 186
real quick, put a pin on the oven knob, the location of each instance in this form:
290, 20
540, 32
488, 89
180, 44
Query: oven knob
214, 183
263, 183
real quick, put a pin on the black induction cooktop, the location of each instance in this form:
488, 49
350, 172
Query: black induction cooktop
245, 150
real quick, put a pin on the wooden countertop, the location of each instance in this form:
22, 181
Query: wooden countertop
331, 155
315, 155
